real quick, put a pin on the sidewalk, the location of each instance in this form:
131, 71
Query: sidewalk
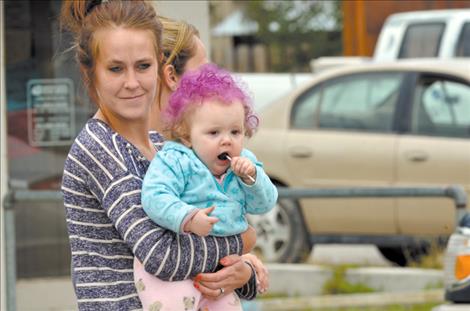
301, 282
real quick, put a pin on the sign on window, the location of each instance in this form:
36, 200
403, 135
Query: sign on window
51, 115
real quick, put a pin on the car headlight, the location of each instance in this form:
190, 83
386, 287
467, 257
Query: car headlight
457, 263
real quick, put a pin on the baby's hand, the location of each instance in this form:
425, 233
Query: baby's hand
243, 168
201, 223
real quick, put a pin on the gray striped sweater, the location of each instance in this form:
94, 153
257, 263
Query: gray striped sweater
107, 226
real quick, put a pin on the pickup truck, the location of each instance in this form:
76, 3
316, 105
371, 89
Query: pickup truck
440, 34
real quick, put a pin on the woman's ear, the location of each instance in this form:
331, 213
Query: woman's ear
169, 77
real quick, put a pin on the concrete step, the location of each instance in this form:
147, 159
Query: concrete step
309, 280
341, 301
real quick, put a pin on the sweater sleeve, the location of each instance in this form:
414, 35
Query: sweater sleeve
250, 289
165, 254
260, 197
163, 185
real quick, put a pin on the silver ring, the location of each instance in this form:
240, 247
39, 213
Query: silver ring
222, 291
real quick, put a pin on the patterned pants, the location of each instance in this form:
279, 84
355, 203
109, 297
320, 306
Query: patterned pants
158, 295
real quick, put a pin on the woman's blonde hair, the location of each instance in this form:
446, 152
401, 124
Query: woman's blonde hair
178, 43
84, 18
178, 46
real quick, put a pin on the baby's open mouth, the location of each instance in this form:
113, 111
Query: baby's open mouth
224, 156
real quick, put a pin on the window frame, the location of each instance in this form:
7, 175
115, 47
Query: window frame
320, 87
411, 109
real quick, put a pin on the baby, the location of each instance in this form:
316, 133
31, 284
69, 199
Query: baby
203, 181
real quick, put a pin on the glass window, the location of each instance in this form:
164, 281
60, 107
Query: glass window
305, 109
463, 45
364, 102
46, 107
422, 40
441, 107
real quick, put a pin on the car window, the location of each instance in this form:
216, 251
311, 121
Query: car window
305, 109
463, 45
364, 102
441, 107
422, 40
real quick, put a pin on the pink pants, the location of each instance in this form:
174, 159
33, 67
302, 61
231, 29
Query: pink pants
158, 295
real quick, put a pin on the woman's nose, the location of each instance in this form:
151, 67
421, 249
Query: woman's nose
131, 80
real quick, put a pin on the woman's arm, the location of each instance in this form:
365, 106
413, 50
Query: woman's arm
167, 255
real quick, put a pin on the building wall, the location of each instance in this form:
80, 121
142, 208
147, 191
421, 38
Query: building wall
193, 12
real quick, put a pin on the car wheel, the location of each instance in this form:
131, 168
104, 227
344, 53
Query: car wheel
403, 256
281, 234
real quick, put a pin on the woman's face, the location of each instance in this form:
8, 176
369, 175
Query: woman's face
126, 73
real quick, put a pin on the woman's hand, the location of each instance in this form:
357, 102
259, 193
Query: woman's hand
235, 274
262, 273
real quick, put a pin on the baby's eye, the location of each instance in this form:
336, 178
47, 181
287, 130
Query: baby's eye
236, 132
213, 133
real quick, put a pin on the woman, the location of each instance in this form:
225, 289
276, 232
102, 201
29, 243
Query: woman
183, 50
118, 49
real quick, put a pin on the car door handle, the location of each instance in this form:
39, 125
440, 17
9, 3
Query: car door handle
416, 156
300, 152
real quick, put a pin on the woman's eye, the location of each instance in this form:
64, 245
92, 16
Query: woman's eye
115, 69
144, 66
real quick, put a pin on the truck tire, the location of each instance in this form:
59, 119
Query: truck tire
403, 256
281, 234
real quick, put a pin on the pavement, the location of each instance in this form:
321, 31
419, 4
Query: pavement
301, 284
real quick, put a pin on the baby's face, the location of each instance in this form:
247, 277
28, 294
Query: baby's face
216, 128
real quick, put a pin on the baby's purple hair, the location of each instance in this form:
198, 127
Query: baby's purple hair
207, 82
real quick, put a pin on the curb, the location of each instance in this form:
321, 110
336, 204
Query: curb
308, 280
342, 301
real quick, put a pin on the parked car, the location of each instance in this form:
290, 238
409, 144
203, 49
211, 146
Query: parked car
375, 125
457, 264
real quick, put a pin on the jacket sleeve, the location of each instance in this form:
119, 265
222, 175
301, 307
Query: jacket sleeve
163, 185
262, 195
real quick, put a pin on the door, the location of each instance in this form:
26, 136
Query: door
436, 153
342, 136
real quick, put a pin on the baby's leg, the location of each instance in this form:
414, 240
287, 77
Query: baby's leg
158, 295
229, 302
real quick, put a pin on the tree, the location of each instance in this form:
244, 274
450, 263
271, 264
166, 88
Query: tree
297, 31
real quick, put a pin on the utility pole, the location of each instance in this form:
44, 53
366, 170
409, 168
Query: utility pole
3, 164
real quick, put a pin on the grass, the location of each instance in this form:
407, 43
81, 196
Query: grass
339, 285
433, 260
